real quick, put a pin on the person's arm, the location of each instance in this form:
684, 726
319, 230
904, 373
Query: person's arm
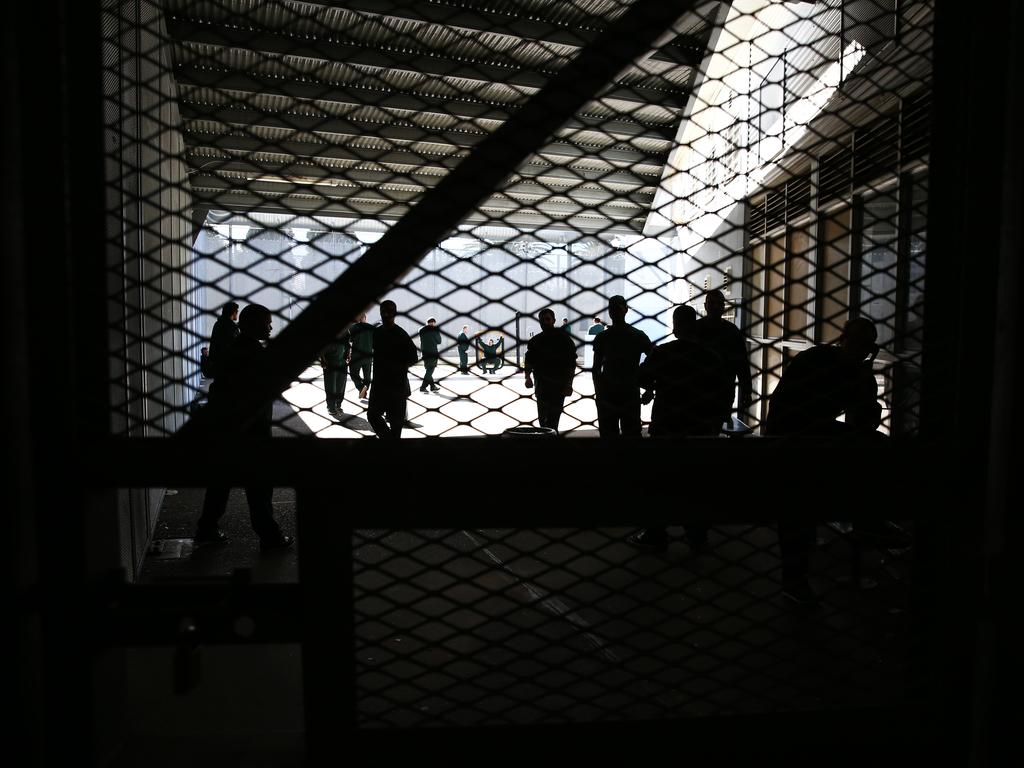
528, 367
595, 370
410, 352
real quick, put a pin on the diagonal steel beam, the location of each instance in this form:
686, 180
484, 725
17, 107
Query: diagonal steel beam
241, 395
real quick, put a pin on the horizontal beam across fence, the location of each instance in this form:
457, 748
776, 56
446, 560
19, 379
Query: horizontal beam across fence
545, 480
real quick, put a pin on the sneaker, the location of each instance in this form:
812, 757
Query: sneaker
276, 544
649, 541
435, 389
882, 534
800, 594
209, 539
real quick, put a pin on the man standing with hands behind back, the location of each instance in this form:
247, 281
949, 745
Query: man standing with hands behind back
552, 355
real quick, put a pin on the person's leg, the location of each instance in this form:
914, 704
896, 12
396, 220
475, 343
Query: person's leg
333, 387
339, 387
261, 513
353, 370
329, 388
367, 370
375, 415
215, 503
396, 416
607, 418
429, 364
629, 417
463, 362
557, 404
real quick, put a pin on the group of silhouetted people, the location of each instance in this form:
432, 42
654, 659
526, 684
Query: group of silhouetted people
693, 380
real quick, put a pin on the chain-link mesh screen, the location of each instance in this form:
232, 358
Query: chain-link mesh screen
484, 627
776, 152
762, 163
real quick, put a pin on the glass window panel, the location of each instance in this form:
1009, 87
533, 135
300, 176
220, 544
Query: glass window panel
800, 312
878, 264
835, 281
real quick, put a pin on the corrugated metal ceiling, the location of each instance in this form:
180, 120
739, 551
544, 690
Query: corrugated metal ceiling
292, 91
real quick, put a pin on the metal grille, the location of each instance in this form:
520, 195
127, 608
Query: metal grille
489, 627
258, 149
301, 155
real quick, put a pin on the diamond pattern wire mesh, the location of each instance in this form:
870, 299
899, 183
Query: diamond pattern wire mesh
776, 152
489, 627
257, 149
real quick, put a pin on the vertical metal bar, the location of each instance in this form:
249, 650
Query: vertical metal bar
328, 652
905, 196
856, 253
64, 67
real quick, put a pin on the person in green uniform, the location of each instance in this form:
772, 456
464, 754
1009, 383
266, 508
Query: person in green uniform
492, 354
335, 358
463, 345
430, 342
361, 364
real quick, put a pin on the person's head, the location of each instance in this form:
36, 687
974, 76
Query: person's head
547, 319
684, 321
617, 308
256, 322
431, 321
714, 304
858, 339
565, 321
388, 311
230, 311
597, 321
465, 329
361, 318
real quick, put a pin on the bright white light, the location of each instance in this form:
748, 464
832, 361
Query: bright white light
368, 237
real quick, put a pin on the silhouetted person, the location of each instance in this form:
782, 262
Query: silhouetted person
223, 336
463, 347
689, 383
430, 342
393, 355
254, 329
335, 358
588, 350
617, 352
819, 385
551, 356
491, 350
204, 363
361, 365
728, 341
